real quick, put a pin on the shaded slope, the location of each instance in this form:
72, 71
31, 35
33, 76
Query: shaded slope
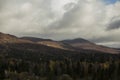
87, 45
49, 42
34, 39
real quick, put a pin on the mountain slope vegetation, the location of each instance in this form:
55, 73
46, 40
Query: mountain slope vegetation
25, 59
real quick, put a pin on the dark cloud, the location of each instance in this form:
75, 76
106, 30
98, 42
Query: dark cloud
114, 25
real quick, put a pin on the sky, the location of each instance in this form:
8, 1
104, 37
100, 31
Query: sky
110, 1
94, 20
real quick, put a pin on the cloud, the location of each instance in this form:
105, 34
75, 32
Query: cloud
114, 25
77, 20
62, 19
29, 16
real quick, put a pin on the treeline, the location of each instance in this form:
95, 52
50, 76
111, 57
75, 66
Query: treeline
17, 69
36, 62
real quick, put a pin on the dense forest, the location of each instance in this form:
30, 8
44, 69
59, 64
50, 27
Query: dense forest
36, 62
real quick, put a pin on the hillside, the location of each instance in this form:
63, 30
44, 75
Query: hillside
75, 44
80, 43
48, 42
7, 38
12, 44
24, 59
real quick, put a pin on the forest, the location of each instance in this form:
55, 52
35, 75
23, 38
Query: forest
18, 63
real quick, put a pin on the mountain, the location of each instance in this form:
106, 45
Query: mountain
80, 43
12, 46
7, 38
77, 40
49, 42
34, 39
22, 59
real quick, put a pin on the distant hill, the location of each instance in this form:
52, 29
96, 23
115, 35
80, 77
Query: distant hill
75, 44
34, 39
7, 38
14, 47
80, 43
22, 59
49, 42
77, 40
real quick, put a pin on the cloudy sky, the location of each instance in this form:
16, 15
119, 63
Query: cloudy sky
95, 20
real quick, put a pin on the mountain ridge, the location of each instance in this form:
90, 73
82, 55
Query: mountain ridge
87, 45
8, 38
77, 44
